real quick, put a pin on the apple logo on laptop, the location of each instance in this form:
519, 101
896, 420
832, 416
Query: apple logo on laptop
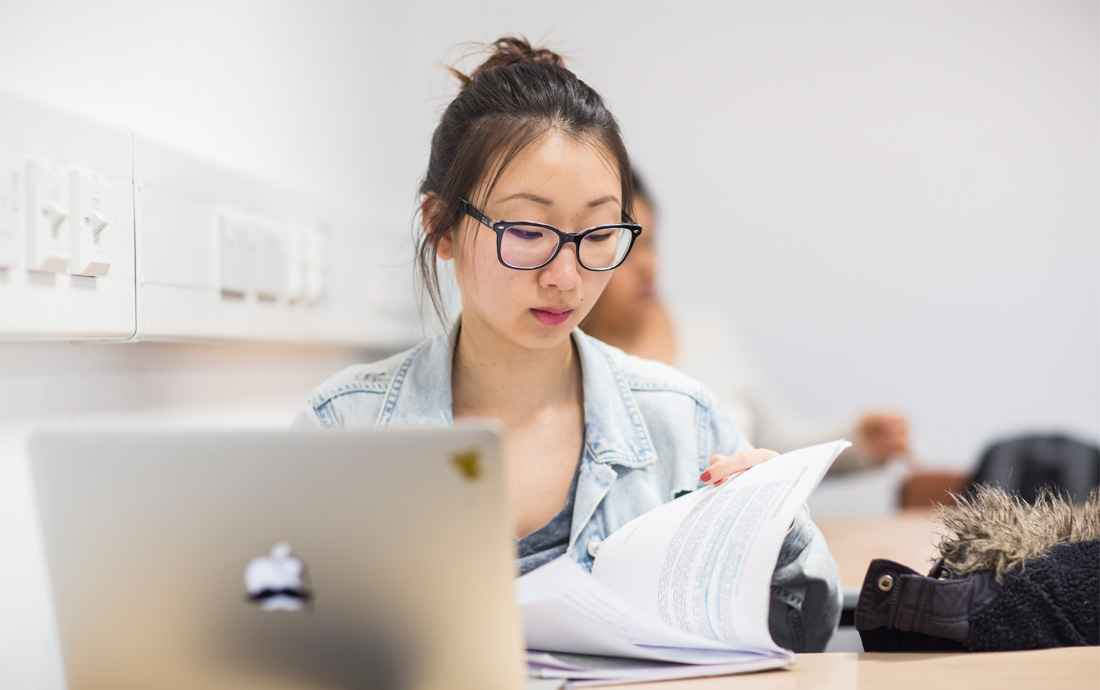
275, 581
468, 464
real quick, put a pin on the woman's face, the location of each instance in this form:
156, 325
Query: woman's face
558, 181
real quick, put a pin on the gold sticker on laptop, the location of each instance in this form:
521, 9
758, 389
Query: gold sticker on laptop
468, 464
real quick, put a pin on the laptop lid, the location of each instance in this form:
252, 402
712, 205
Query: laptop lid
280, 560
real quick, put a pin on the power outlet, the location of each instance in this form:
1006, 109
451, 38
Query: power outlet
91, 254
47, 207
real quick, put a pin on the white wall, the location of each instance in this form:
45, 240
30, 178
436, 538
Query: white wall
896, 202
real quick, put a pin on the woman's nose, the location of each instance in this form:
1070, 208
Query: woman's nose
563, 272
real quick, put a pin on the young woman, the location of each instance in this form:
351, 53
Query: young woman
528, 193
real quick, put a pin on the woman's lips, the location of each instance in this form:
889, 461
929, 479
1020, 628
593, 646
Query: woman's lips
552, 317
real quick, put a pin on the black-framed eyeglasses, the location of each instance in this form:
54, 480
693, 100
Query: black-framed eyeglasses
525, 245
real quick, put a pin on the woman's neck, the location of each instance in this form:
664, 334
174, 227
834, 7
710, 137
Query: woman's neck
496, 378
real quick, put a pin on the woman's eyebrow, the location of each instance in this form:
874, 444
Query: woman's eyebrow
530, 197
547, 202
602, 200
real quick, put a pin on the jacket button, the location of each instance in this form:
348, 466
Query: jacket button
594, 546
886, 583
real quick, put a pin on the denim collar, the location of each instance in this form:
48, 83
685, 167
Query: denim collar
420, 395
613, 427
420, 390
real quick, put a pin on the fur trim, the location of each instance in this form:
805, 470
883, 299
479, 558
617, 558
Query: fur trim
992, 530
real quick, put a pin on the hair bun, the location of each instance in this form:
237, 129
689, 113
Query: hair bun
512, 50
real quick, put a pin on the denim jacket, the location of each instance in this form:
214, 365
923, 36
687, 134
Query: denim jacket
649, 432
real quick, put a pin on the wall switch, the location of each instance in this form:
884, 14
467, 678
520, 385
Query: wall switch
47, 207
88, 224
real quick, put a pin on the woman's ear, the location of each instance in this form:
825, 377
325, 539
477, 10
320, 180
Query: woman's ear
444, 241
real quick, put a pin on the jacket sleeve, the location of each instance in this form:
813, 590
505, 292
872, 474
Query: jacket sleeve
806, 594
307, 418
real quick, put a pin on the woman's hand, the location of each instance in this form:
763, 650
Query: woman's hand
722, 467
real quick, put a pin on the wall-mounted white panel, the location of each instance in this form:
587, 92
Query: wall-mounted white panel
224, 256
107, 235
66, 225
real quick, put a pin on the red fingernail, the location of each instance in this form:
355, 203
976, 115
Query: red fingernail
705, 477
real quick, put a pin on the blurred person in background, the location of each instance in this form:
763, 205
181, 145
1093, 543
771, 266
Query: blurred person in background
705, 346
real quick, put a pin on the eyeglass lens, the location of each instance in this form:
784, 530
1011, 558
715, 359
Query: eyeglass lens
527, 246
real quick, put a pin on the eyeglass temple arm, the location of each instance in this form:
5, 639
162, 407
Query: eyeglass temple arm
475, 214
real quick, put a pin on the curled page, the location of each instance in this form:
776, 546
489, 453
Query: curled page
703, 563
567, 610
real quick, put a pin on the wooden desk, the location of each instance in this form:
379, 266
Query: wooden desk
1066, 668
908, 537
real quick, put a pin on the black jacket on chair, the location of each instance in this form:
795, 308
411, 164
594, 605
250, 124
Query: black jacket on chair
1053, 602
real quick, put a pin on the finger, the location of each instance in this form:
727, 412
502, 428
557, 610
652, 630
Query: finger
724, 466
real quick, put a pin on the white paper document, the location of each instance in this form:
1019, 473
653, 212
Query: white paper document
687, 583
604, 670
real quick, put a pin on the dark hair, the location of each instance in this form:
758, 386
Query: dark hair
641, 190
517, 95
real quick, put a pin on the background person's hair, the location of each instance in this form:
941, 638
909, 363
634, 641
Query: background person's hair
516, 96
642, 191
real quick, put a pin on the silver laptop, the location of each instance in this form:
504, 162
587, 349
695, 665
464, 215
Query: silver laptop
280, 560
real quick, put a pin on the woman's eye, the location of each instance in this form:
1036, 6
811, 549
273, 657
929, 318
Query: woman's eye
524, 234
601, 236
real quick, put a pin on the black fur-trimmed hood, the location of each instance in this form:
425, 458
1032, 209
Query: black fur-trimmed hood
1012, 576
988, 529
